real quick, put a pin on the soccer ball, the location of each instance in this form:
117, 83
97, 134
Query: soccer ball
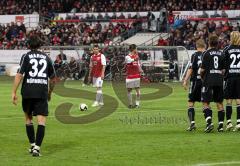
83, 107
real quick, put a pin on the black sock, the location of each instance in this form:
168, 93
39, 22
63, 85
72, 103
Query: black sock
191, 114
30, 133
228, 112
208, 115
40, 135
220, 116
238, 114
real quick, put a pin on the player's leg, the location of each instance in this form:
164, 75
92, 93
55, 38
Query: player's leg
237, 87
100, 96
97, 82
137, 103
218, 98
30, 131
207, 95
129, 95
208, 116
26, 105
40, 134
237, 127
221, 115
229, 114
191, 116
228, 94
193, 95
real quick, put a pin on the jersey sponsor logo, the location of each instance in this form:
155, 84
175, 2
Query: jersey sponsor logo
234, 71
37, 81
215, 71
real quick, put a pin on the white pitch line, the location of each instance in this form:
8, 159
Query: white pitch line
222, 163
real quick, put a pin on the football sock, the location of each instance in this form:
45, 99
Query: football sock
30, 133
208, 115
40, 135
228, 113
129, 94
191, 114
137, 98
238, 114
220, 116
99, 96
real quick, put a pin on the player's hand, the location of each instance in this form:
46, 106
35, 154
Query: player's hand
14, 98
102, 77
185, 84
49, 96
89, 79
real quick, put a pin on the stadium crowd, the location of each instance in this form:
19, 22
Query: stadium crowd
49, 7
190, 31
12, 36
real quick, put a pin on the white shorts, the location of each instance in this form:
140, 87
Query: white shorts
133, 83
97, 82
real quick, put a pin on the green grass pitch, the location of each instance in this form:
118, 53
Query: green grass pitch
119, 139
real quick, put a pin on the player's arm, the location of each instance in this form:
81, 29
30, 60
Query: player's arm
104, 63
90, 69
189, 73
52, 78
205, 63
18, 79
139, 67
185, 80
224, 62
128, 59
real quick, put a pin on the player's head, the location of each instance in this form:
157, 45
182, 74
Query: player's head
213, 41
133, 48
235, 38
34, 42
96, 49
200, 44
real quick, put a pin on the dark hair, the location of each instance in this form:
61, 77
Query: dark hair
34, 42
95, 45
213, 41
132, 47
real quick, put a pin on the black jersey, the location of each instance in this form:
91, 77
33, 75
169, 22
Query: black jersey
196, 61
36, 67
232, 61
213, 63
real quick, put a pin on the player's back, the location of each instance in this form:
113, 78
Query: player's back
37, 67
213, 63
232, 61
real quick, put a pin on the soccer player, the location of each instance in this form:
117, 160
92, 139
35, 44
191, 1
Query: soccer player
35, 69
211, 72
96, 73
195, 82
133, 70
232, 78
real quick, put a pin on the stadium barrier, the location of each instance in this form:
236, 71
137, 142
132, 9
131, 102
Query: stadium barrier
154, 59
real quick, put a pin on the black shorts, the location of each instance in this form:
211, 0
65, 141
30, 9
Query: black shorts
212, 94
195, 91
232, 88
35, 106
